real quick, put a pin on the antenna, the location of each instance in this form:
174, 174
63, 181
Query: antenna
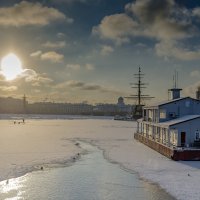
24, 103
175, 91
175, 79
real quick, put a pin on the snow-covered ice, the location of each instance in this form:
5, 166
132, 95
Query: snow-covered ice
26, 147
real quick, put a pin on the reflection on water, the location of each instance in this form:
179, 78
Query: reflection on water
92, 177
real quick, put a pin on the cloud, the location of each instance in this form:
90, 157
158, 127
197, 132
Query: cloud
52, 56
36, 53
8, 88
172, 49
54, 45
34, 78
196, 12
89, 66
73, 66
191, 89
164, 22
161, 19
149, 18
27, 76
106, 50
60, 35
28, 13
92, 87
117, 27
70, 83
195, 74
71, 1
73, 84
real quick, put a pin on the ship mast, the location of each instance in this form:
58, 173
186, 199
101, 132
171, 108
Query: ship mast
139, 85
139, 97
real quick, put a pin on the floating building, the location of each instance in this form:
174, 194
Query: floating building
172, 127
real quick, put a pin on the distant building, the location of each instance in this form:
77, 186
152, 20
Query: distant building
60, 108
113, 109
198, 93
105, 109
11, 105
122, 107
21, 106
120, 101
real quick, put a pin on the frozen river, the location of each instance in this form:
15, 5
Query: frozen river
91, 177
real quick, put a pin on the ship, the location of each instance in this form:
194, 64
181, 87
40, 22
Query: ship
139, 97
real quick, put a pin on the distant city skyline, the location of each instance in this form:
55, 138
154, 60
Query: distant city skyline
88, 50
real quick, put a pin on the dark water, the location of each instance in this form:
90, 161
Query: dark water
90, 178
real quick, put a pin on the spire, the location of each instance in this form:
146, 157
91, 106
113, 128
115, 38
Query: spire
24, 103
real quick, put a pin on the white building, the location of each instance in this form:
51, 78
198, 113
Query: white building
172, 123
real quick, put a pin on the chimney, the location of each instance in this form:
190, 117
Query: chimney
175, 93
198, 93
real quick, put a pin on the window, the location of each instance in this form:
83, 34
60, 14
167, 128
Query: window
174, 137
150, 113
187, 104
197, 134
172, 115
162, 114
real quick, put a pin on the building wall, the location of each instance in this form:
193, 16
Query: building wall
11, 105
190, 128
154, 132
151, 115
165, 135
180, 108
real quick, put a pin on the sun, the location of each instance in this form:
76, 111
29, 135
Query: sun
11, 66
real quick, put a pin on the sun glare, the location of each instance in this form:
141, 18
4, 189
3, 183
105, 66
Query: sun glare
11, 66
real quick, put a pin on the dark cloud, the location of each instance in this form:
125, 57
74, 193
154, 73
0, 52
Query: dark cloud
92, 87
87, 87
164, 21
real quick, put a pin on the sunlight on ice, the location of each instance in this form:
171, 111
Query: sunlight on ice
11, 189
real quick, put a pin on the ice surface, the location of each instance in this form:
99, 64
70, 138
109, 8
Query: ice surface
27, 147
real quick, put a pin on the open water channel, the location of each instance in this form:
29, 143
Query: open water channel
92, 177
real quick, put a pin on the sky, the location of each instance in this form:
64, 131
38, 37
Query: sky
89, 50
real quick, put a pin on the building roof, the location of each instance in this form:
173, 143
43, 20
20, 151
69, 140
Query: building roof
178, 120
168, 102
